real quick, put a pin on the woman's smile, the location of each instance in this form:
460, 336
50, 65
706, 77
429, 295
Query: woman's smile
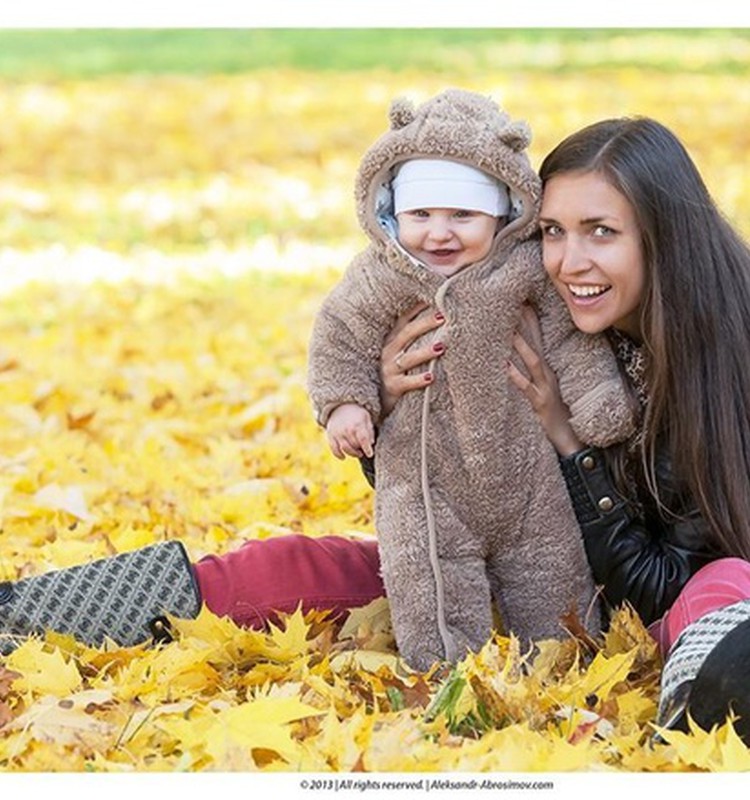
590, 292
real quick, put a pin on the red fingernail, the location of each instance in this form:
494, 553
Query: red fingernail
438, 347
439, 316
427, 377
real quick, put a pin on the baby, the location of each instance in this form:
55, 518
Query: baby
470, 503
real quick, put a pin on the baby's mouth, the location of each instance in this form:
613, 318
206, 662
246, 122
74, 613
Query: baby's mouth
442, 253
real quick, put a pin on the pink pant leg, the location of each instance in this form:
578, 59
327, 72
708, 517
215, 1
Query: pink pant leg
278, 574
720, 583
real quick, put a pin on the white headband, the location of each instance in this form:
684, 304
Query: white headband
438, 183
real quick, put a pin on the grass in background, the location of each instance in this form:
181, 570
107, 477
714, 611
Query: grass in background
187, 139
46, 54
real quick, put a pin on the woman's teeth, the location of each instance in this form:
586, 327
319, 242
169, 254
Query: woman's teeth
587, 291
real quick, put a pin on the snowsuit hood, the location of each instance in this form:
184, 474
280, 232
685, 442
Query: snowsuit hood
459, 126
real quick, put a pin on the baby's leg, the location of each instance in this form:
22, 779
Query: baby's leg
437, 613
540, 572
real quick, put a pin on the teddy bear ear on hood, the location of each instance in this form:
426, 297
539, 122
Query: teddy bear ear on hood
516, 135
401, 113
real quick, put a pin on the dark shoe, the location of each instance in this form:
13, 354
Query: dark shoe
723, 684
707, 673
125, 598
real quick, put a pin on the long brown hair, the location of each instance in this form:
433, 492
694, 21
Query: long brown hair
695, 315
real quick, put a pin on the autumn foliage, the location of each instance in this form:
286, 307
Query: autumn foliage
167, 242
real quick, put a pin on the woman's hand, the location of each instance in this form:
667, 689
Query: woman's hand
540, 385
397, 359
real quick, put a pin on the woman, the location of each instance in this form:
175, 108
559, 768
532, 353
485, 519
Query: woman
638, 250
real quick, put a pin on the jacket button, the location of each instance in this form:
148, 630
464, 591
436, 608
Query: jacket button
606, 504
588, 462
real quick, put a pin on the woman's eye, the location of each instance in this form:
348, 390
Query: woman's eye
551, 230
602, 230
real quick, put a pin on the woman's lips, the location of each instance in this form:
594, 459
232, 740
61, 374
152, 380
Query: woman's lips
587, 295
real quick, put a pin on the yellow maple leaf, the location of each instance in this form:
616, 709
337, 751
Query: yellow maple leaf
369, 661
207, 627
230, 643
397, 743
627, 631
130, 537
556, 660
364, 621
261, 723
517, 748
696, 748
340, 743
67, 721
140, 718
166, 674
635, 707
43, 672
733, 753
289, 639
605, 673
717, 750
262, 672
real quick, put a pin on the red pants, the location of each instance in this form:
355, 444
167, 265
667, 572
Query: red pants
278, 575
331, 572
720, 583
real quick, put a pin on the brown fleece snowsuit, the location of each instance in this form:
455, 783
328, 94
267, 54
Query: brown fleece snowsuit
470, 502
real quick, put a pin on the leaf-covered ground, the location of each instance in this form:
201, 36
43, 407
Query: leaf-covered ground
130, 415
166, 241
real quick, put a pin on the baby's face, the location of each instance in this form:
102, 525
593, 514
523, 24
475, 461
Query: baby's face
447, 239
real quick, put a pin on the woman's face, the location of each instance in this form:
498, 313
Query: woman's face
592, 251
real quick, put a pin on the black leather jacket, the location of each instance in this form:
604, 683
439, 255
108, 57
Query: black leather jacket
644, 556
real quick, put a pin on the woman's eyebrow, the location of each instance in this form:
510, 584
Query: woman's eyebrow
585, 220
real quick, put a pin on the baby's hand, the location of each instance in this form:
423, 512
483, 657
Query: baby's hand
350, 431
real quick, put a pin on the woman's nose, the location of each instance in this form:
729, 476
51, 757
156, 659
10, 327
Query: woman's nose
573, 258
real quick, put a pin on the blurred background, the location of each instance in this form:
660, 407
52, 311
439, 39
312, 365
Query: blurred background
152, 150
175, 203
